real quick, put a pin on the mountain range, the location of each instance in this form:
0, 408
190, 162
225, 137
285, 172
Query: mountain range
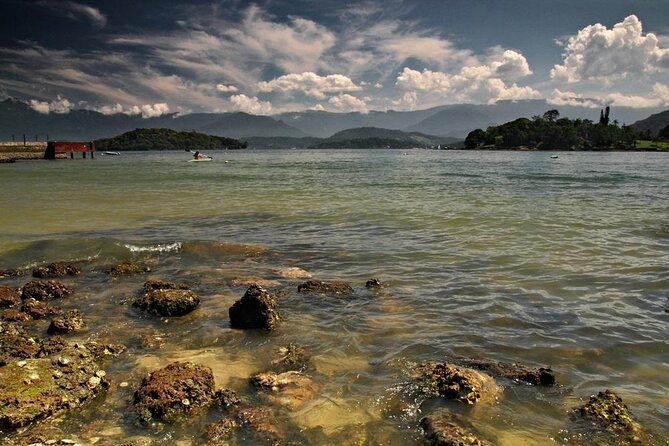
452, 121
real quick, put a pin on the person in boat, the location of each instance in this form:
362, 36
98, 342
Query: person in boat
197, 155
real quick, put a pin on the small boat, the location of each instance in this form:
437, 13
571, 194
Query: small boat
112, 153
200, 160
554, 157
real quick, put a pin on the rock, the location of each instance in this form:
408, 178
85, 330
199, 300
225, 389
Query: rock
174, 391
460, 383
40, 290
15, 343
373, 283
12, 315
10, 273
68, 322
8, 297
607, 412
256, 309
44, 387
325, 288
57, 269
294, 273
442, 428
38, 309
218, 432
289, 389
127, 268
167, 299
254, 280
227, 398
291, 357
261, 424
103, 351
517, 372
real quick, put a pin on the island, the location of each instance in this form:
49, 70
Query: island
166, 139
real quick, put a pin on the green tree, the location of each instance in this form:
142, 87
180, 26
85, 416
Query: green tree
551, 115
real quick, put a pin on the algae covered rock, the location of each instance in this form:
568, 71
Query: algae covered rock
607, 413
459, 383
256, 309
517, 372
56, 269
36, 389
8, 297
66, 323
291, 357
38, 309
43, 290
326, 288
128, 268
443, 428
288, 389
167, 299
174, 391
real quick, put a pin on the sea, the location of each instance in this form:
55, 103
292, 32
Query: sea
509, 256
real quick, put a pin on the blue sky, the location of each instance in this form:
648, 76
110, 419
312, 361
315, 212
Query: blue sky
267, 57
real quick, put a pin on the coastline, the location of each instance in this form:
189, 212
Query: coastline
11, 152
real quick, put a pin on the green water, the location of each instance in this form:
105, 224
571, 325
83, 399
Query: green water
505, 255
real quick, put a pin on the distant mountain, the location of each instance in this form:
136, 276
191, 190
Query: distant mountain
166, 139
18, 118
374, 137
653, 123
280, 142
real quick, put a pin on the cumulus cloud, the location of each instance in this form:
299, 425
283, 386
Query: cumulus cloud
657, 97
60, 106
597, 52
310, 84
482, 82
347, 103
251, 105
226, 88
569, 98
147, 110
76, 11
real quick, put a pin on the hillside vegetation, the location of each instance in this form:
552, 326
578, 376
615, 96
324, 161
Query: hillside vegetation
166, 139
550, 132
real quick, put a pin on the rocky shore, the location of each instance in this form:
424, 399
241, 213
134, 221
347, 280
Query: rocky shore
10, 153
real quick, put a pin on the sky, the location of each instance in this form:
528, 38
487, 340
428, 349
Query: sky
153, 57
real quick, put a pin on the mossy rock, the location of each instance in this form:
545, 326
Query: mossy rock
607, 413
335, 289
8, 297
443, 428
43, 290
128, 268
457, 383
56, 269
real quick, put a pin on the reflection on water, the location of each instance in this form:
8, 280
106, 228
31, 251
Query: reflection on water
500, 255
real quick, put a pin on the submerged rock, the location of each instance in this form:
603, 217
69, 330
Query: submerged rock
288, 389
174, 391
256, 309
56, 269
373, 283
254, 280
442, 428
36, 389
219, 432
38, 309
12, 315
8, 297
459, 383
167, 299
16, 343
66, 323
294, 273
326, 288
10, 273
607, 412
127, 268
291, 357
517, 372
41, 290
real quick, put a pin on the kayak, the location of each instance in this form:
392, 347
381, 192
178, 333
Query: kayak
201, 160
112, 153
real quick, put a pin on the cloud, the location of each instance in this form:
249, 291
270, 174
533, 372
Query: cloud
657, 97
482, 82
76, 11
59, 106
310, 84
251, 105
569, 98
597, 52
153, 110
226, 88
347, 103
147, 110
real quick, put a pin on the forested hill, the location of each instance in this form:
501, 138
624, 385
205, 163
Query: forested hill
550, 132
166, 139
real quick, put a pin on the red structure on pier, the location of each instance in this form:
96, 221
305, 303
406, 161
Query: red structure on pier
55, 148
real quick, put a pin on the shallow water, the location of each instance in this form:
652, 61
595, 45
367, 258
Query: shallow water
505, 255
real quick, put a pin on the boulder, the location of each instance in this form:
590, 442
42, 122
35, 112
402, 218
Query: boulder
373, 284
442, 428
36, 389
67, 323
8, 297
41, 290
325, 288
288, 389
167, 299
56, 269
517, 372
127, 268
256, 309
607, 413
16, 343
12, 315
291, 357
175, 391
458, 383
38, 309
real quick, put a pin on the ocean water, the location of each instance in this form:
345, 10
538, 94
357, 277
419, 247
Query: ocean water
510, 256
